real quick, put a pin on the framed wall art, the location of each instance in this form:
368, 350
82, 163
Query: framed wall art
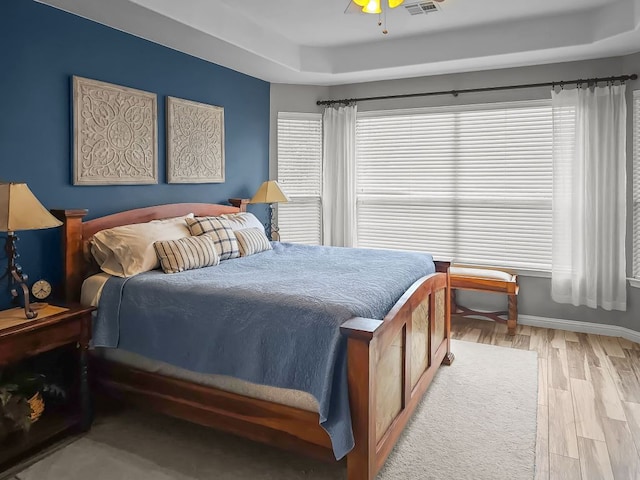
195, 142
115, 134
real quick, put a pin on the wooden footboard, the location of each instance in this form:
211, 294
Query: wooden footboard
391, 364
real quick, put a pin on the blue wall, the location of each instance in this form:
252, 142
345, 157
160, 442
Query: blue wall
40, 49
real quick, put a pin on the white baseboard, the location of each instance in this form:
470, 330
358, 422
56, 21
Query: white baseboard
581, 327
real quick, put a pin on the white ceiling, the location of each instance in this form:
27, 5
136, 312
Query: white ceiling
316, 42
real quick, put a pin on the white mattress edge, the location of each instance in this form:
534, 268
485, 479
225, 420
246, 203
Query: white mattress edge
283, 396
92, 289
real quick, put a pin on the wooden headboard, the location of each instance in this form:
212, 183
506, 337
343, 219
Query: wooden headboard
76, 233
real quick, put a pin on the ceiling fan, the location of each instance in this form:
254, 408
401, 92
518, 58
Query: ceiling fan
376, 7
373, 6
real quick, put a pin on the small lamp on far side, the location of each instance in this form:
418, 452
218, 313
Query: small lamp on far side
21, 210
270, 192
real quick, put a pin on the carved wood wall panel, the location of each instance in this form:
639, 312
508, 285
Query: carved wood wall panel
115, 134
195, 142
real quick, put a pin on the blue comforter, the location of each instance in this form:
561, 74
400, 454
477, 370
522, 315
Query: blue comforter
271, 318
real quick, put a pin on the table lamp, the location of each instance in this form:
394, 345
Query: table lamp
270, 192
21, 210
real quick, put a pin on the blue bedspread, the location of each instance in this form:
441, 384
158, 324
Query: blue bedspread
271, 318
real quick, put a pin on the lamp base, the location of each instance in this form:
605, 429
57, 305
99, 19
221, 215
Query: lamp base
20, 279
14, 272
274, 231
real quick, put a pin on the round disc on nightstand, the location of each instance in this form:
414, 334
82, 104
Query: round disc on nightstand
41, 289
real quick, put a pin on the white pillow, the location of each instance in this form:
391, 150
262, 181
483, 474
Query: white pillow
128, 250
242, 221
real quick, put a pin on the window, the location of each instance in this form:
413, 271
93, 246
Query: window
471, 182
636, 184
300, 176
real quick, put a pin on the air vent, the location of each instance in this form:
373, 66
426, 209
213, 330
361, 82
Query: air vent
421, 8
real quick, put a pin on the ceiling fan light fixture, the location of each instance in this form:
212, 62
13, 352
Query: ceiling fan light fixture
373, 6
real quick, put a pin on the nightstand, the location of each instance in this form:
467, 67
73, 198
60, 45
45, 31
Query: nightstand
20, 339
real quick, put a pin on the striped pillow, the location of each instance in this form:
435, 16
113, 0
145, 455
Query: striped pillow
252, 240
221, 233
186, 253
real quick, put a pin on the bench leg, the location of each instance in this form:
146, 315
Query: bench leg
512, 320
454, 305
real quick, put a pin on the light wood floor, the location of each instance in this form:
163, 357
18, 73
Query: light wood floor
588, 399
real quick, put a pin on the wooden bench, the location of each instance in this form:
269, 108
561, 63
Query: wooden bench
490, 280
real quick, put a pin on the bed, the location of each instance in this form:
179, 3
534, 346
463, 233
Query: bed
389, 363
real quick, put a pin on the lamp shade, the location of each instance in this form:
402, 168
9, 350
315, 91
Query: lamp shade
269, 192
21, 210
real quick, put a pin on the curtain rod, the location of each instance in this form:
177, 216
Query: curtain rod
455, 93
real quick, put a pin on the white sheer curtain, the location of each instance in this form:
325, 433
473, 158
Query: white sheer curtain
589, 197
339, 177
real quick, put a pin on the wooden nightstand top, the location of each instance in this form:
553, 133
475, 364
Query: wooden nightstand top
15, 316
13, 321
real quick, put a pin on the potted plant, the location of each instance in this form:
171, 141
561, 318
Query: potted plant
21, 401
15, 412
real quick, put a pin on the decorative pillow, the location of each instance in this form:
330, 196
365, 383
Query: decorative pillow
252, 240
242, 221
221, 233
186, 253
128, 250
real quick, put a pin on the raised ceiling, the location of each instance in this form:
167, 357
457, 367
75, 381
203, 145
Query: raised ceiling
316, 42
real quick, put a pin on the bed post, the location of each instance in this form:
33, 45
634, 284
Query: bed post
240, 203
72, 254
361, 343
449, 357
443, 267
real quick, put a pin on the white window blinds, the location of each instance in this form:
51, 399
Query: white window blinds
636, 184
300, 175
471, 182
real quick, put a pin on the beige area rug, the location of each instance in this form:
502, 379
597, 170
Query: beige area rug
477, 421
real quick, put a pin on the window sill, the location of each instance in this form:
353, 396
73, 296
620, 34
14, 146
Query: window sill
533, 273
518, 271
634, 282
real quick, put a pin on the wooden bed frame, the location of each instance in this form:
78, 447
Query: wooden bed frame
391, 362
